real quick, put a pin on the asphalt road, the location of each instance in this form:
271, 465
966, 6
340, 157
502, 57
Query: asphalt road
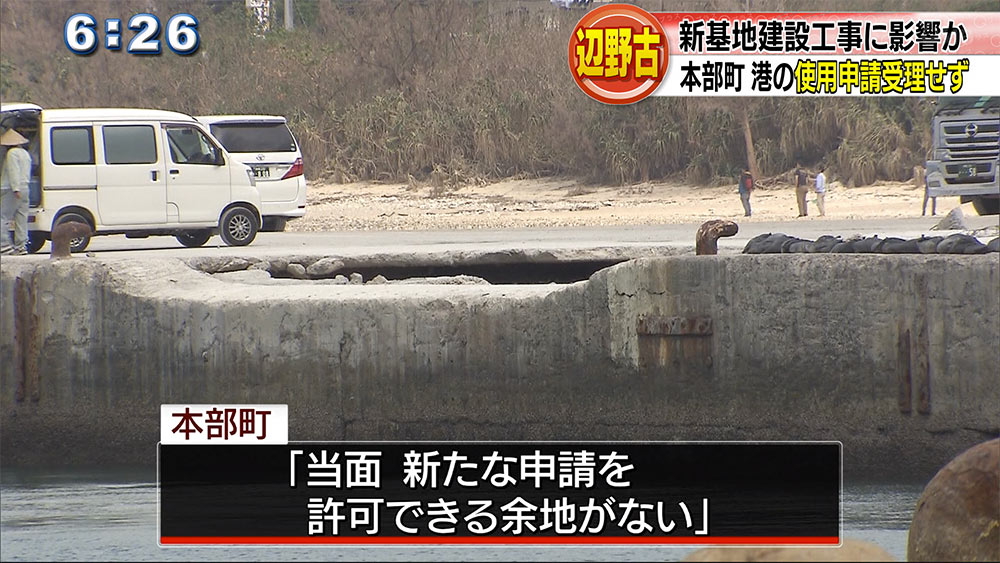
349, 243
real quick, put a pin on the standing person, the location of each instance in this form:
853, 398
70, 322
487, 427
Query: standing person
14, 176
921, 176
745, 187
821, 191
801, 190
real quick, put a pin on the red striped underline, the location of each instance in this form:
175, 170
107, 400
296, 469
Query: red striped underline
499, 540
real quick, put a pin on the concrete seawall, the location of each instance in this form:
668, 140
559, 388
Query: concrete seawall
894, 355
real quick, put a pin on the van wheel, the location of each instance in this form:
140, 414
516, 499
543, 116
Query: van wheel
35, 242
194, 239
238, 226
78, 244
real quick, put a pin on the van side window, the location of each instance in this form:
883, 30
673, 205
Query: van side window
72, 145
129, 144
188, 145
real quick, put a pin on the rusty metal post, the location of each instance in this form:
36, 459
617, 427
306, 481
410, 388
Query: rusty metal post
904, 370
26, 343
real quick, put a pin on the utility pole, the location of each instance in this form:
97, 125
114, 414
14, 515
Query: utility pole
289, 15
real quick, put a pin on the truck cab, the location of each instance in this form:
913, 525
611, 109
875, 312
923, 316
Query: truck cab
965, 152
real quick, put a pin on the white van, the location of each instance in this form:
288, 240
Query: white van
136, 172
266, 145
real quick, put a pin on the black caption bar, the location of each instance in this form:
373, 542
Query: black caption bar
775, 493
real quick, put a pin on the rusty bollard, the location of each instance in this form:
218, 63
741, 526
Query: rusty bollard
62, 234
707, 239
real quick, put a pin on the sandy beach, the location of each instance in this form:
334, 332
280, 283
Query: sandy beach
554, 202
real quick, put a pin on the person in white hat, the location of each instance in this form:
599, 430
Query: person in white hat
14, 176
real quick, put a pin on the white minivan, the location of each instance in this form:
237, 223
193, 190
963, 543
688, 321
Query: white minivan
137, 172
266, 145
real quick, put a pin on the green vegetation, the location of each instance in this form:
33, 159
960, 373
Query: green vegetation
383, 90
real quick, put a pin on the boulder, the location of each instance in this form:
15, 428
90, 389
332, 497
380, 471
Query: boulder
324, 267
994, 245
297, 271
214, 265
958, 515
953, 221
278, 265
851, 550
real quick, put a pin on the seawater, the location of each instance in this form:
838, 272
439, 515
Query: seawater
106, 515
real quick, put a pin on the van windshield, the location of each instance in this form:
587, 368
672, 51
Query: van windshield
254, 137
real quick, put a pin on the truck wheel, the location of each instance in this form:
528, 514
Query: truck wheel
78, 244
194, 239
238, 226
987, 205
35, 242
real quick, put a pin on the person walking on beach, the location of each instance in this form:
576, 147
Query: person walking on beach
801, 190
821, 192
745, 187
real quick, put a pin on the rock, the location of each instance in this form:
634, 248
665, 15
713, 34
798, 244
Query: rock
851, 550
993, 245
842, 248
379, 279
279, 265
262, 265
324, 267
244, 276
219, 265
953, 221
959, 243
297, 271
340, 280
958, 515
444, 280
356, 279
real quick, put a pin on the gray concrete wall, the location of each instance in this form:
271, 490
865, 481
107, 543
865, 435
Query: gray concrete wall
894, 355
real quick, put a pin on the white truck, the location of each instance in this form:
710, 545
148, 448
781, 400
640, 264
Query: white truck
965, 152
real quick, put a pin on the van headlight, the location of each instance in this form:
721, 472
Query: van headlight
253, 180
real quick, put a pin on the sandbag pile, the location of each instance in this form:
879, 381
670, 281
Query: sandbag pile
780, 243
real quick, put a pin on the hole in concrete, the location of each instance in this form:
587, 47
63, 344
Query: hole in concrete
494, 273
